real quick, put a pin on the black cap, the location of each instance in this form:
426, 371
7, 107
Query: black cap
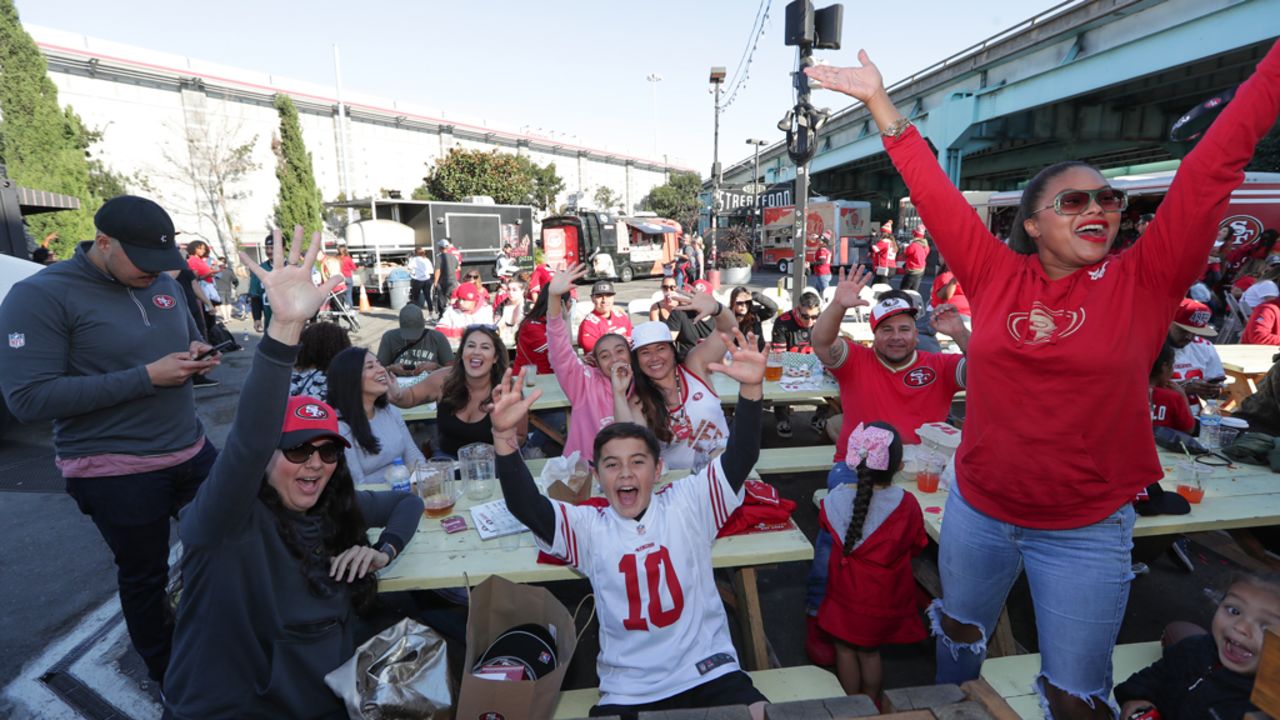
604, 287
412, 323
144, 230
1161, 502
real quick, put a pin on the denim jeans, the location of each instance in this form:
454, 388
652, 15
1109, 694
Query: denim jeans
1079, 582
821, 283
132, 513
817, 583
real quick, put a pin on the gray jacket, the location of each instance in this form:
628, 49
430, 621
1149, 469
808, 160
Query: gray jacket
78, 343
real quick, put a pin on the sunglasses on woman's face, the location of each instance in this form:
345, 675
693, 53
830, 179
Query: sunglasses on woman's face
329, 453
473, 277
669, 288
1077, 202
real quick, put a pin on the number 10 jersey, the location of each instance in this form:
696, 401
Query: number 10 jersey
663, 628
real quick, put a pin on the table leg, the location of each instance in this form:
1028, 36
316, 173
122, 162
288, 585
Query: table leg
537, 422
750, 621
1002, 642
1250, 544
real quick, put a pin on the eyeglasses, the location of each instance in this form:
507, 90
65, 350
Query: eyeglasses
329, 453
1077, 202
742, 303
668, 287
812, 317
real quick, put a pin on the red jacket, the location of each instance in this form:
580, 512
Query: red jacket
957, 298
1264, 325
594, 327
884, 254
917, 256
1058, 427
531, 347
822, 261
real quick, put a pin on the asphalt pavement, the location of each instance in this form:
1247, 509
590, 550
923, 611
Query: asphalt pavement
66, 654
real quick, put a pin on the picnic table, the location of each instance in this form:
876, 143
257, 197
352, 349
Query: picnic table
1245, 365
435, 559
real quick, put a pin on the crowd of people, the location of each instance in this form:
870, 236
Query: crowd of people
1056, 327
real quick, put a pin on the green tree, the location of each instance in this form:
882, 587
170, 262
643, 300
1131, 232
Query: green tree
606, 198
298, 202
677, 199
41, 145
546, 184
464, 173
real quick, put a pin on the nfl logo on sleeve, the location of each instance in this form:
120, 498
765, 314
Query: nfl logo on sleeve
17, 340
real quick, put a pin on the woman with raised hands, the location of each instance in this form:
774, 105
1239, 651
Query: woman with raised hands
276, 557
1057, 437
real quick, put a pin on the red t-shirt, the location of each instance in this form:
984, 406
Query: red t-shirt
822, 261
594, 327
1169, 408
531, 347
1058, 426
1264, 325
917, 257
958, 298
540, 276
199, 267
348, 266
884, 255
918, 394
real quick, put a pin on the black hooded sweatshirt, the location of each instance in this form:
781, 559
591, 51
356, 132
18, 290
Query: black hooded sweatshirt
1189, 683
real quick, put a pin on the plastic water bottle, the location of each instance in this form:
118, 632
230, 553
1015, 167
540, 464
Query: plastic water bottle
1211, 426
398, 476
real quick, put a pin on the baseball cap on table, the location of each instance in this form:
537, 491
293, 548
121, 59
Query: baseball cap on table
889, 307
648, 333
1154, 500
468, 291
1194, 317
306, 419
144, 230
603, 287
412, 323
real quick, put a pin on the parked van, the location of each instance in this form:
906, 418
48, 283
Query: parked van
614, 247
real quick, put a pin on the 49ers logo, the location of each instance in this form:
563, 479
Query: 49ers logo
164, 302
311, 411
491, 715
919, 377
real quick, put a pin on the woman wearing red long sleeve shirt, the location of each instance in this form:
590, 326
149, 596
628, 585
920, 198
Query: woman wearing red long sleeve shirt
1057, 436
1264, 325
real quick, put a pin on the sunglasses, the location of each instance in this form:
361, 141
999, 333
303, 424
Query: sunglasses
668, 287
473, 277
742, 303
329, 453
1077, 202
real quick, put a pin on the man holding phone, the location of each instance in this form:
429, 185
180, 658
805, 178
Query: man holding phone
1196, 365
104, 346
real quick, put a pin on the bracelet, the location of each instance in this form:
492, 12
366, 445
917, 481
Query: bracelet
719, 309
896, 128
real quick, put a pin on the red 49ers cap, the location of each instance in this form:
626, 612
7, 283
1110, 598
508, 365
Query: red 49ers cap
468, 291
1194, 317
306, 419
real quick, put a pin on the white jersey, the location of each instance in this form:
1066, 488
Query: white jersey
1197, 361
662, 625
698, 426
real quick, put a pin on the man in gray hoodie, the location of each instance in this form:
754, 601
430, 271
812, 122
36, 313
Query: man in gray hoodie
104, 346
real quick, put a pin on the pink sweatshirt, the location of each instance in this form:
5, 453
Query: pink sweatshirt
589, 390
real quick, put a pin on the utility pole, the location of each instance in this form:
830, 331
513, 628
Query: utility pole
806, 29
755, 180
654, 79
717, 81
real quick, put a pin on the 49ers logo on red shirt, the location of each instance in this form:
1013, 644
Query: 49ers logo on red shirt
919, 377
164, 302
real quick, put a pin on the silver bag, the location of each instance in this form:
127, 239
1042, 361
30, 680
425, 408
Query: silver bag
400, 673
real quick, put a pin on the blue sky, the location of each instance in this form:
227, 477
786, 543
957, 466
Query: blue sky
576, 67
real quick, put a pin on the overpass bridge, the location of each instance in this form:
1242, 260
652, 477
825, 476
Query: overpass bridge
1097, 80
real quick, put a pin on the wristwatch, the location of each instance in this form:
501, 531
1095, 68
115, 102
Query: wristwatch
896, 128
389, 550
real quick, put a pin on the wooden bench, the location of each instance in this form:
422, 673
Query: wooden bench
805, 682
1012, 676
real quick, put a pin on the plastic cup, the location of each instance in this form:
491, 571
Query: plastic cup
929, 473
436, 487
773, 367
1191, 477
510, 543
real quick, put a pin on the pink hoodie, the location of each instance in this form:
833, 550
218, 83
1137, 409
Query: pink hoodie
589, 391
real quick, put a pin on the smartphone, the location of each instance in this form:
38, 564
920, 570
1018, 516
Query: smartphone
224, 345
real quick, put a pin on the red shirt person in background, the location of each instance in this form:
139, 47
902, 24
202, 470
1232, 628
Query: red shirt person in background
917, 257
822, 264
1063, 335
884, 257
1264, 325
603, 319
946, 289
532, 347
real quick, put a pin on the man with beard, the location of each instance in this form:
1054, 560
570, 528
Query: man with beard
1196, 365
891, 382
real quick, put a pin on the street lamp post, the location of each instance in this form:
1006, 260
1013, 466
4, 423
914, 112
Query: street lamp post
654, 79
717, 81
755, 180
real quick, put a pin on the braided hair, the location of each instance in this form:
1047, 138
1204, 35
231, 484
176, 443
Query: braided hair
868, 480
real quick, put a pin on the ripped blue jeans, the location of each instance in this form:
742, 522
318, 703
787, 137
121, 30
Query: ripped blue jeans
1079, 587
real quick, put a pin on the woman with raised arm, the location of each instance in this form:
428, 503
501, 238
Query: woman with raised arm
276, 553
1057, 437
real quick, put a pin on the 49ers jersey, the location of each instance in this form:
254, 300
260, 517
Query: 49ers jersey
662, 626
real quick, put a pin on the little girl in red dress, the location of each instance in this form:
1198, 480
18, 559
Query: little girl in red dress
872, 597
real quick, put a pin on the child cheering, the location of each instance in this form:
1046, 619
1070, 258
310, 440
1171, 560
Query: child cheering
871, 596
664, 638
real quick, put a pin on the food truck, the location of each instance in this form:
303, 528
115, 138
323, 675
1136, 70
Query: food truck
848, 221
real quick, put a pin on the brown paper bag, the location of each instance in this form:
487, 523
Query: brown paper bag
496, 606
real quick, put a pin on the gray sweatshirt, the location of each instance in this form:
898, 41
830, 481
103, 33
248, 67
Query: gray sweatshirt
78, 345
252, 640
394, 441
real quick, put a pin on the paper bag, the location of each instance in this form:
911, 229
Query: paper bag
496, 606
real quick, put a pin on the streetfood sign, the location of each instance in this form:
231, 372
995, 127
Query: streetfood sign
731, 198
